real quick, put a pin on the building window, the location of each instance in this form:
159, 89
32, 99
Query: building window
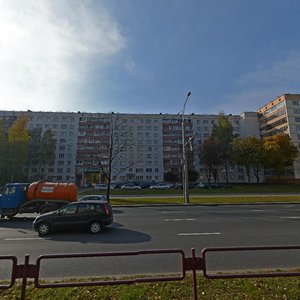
296, 111
295, 102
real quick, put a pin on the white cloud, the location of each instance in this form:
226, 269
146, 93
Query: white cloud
48, 47
267, 81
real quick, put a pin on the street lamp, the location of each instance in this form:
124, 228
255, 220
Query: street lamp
184, 158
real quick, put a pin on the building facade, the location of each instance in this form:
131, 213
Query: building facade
64, 127
145, 147
135, 147
282, 115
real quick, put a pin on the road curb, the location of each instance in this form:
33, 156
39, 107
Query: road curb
205, 204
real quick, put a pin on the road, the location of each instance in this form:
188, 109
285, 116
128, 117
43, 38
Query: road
162, 227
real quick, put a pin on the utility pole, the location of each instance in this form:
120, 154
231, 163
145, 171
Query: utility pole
184, 158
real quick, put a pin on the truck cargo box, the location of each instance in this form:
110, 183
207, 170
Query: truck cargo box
52, 190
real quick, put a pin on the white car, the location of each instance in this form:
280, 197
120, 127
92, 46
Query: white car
101, 186
130, 186
160, 186
92, 197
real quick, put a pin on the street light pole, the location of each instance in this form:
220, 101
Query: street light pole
184, 158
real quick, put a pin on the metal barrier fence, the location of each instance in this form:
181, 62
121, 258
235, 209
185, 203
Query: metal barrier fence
192, 264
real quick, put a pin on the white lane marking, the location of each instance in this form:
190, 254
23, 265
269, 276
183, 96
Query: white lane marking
289, 217
259, 210
199, 233
172, 212
24, 239
168, 220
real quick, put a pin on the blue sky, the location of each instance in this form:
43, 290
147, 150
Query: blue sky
141, 56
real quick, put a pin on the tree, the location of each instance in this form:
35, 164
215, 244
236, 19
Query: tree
193, 175
170, 177
248, 153
33, 149
4, 166
41, 149
279, 152
223, 133
18, 139
210, 157
109, 153
47, 148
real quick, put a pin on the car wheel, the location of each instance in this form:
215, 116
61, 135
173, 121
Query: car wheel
43, 228
95, 227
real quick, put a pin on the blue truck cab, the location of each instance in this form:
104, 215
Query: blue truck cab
13, 196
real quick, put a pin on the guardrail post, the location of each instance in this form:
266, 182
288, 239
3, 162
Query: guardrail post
194, 275
24, 277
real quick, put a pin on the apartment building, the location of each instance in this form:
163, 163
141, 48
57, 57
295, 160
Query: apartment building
282, 115
64, 127
131, 142
145, 146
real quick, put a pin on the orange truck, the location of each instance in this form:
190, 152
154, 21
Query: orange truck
35, 197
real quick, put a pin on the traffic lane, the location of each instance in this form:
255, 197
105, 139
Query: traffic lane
165, 227
147, 228
168, 226
238, 225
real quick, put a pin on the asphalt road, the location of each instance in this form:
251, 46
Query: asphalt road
162, 227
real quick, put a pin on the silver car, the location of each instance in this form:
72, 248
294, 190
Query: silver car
160, 186
130, 186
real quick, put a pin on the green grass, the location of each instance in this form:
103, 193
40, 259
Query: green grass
224, 289
238, 193
234, 189
203, 200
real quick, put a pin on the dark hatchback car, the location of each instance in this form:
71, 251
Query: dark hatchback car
90, 215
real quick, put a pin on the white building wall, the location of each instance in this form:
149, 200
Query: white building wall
64, 126
293, 120
144, 156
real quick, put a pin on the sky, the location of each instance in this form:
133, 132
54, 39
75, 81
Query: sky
141, 56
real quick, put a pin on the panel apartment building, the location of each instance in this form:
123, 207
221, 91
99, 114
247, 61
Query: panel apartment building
64, 127
151, 144
282, 115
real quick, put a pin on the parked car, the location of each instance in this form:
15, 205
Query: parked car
87, 185
178, 185
144, 185
160, 186
114, 186
130, 186
205, 185
91, 215
101, 186
92, 197
211, 185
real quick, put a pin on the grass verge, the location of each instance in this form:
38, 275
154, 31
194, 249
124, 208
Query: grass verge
224, 289
205, 199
